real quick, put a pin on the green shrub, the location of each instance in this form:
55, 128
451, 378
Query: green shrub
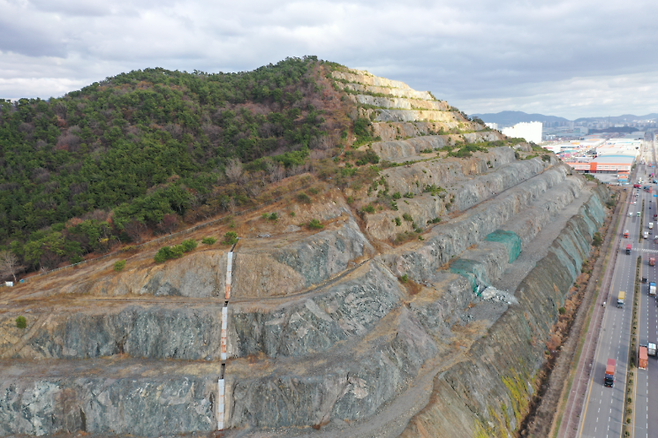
397, 221
409, 195
189, 245
404, 278
118, 266
397, 195
208, 240
407, 217
562, 310
161, 255
304, 198
75, 259
169, 252
315, 224
176, 252
436, 220
21, 323
314, 190
369, 158
434, 190
598, 240
368, 209
231, 238
273, 216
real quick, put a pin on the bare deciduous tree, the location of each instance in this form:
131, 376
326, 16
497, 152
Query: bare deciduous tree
135, 230
254, 189
9, 263
324, 142
234, 170
276, 171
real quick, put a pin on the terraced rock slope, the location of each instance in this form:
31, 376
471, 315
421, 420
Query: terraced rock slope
424, 318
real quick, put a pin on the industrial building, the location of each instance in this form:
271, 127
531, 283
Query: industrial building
617, 164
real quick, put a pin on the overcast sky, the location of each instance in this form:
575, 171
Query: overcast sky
577, 58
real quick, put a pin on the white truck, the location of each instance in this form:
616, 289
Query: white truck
651, 349
652, 289
645, 234
651, 225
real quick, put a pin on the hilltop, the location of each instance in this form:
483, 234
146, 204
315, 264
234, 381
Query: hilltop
390, 268
153, 151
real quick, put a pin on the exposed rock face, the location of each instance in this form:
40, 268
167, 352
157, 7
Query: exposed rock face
195, 276
283, 270
137, 331
336, 332
479, 395
142, 399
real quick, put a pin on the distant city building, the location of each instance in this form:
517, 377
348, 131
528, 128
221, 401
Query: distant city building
529, 131
620, 146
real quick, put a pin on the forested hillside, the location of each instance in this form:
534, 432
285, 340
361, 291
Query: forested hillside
140, 152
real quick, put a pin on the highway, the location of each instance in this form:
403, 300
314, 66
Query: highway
646, 388
602, 413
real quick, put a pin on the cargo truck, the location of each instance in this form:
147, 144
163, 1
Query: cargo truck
652, 261
651, 349
628, 248
609, 379
651, 225
645, 234
620, 299
642, 358
626, 234
652, 288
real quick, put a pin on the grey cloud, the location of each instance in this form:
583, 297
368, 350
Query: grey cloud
506, 54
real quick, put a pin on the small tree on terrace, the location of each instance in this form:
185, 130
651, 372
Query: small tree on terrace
9, 263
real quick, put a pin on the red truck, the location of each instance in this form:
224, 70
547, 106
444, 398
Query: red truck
643, 358
628, 248
609, 379
652, 261
626, 234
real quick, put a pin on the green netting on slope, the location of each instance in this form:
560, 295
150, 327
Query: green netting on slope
510, 239
473, 271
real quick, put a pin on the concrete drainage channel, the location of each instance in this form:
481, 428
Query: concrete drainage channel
221, 396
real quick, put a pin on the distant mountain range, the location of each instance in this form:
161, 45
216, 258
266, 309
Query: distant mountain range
509, 118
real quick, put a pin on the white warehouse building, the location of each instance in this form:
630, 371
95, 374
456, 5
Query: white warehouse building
530, 131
